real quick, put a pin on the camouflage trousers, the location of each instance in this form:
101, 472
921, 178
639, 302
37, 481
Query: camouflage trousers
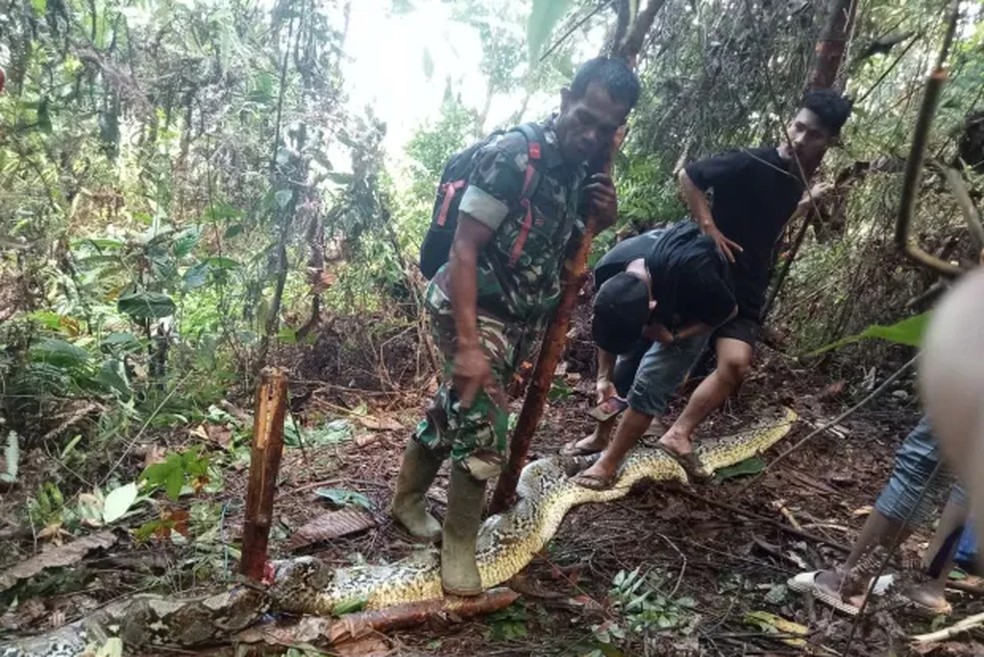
477, 437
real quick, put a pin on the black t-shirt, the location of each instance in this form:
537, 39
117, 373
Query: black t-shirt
754, 195
690, 279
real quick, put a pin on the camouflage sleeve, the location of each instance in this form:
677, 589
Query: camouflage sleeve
496, 182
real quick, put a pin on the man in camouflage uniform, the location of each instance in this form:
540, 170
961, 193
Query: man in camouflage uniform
495, 295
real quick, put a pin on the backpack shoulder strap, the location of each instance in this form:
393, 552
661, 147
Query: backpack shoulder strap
533, 140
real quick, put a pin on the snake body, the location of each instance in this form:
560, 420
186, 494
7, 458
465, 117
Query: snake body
507, 543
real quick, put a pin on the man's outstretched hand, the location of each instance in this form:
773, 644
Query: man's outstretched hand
727, 247
470, 374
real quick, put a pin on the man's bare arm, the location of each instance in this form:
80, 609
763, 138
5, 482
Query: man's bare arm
471, 367
700, 212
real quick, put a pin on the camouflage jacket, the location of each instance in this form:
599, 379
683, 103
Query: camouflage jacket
519, 277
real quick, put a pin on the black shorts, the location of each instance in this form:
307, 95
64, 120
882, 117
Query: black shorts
741, 328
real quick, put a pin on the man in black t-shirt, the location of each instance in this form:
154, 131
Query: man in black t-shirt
755, 192
659, 297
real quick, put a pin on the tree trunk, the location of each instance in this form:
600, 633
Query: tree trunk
833, 44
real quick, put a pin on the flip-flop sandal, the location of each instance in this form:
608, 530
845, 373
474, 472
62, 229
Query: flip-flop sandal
696, 472
571, 449
594, 482
807, 582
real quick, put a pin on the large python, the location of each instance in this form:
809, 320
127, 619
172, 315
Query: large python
506, 544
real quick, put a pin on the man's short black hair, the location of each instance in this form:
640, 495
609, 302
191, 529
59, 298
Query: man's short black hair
832, 108
620, 81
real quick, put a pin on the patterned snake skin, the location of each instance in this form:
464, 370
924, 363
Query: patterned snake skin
506, 544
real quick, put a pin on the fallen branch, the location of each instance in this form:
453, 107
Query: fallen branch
969, 623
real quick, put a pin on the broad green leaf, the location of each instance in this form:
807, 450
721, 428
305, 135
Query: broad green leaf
750, 466
145, 305
174, 484
196, 276
343, 497
283, 197
58, 352
105, 243
232, 231
221, 262
185, 242
12, 457
118, 502
543, 20
908, 332
44, 118
40, 7
113, 376
125, 341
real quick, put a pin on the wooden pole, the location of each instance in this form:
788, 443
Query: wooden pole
551, 349
264, 465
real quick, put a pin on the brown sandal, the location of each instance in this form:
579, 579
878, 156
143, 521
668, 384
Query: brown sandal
571, 449
594, 482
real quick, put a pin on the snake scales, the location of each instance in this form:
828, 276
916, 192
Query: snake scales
507, 542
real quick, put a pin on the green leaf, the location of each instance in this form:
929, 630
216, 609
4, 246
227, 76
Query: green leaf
40, 7
113, 376
58, 352
174, 484
185, 242
123, 341
196, 276
12, 457
118, 502
283, 197
145, 305
543, 20
749, 466
105, 243
232, 231
221, 262
349, 606
343, 497
44, 118
908, 332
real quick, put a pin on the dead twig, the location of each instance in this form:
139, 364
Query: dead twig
965, 625
874, 393
775, 523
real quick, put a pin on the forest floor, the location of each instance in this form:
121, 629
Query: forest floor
707, 566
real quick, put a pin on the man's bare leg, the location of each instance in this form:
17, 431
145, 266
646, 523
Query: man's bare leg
938, 560
734, 364
629, 431
878, 531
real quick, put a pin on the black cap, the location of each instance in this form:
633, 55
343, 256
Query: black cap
621, 310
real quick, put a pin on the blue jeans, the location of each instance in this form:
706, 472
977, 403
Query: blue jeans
650, 374
915, 462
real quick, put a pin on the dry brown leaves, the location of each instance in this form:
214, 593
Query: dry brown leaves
330, 525
56, 557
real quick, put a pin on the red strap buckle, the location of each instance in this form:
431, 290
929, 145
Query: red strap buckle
535, 150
